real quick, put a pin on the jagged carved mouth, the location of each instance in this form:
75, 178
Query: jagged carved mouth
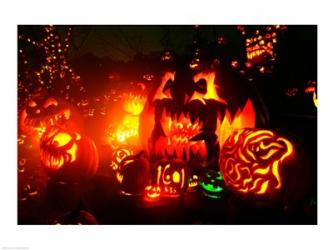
181, 136
57, 160
255, 53
50, 120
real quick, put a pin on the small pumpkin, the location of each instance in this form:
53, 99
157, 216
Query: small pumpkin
152, 193
212, 184
171, 175
193, 183
68, 156
134, 174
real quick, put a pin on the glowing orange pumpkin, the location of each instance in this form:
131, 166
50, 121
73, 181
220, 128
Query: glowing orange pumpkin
42, 112
68, 156
134, 174
251, 161
171, 175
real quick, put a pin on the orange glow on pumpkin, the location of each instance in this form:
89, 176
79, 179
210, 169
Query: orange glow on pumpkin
211, 92
171, 177
67, 155
152, 193
251, 161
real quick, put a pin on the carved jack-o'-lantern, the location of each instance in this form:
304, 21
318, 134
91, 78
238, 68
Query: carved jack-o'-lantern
171, 176
118, 155
211, 184
251, 161
193, 183
134, 174
42, 112
152, 193
184, 113
68, 156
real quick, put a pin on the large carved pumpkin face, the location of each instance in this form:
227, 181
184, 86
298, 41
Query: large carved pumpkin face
183, 115
41, 113
68, 156
251, 161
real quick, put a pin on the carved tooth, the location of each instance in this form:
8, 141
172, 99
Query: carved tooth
181, 117
174, 118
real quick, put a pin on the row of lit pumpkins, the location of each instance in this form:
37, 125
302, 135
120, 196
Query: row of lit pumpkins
250, 163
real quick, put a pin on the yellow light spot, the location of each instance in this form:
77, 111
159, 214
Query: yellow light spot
128, 162
72, 152
262, 170
263, 187
120, 177
176, 177
275, 171
269, 155
211, 88
315, 100
62, 139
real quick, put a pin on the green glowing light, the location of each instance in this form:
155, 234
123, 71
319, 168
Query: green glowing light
213, 196
211, 188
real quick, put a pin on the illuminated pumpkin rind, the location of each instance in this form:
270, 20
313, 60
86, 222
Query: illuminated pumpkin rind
171, 176
134, 174
68, 156
43, 112
251, 161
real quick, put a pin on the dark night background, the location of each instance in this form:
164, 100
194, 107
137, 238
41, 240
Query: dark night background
108, 57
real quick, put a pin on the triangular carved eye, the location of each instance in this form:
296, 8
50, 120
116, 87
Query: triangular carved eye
201, 86
61, 139
205, 88
163, 91
50, 101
